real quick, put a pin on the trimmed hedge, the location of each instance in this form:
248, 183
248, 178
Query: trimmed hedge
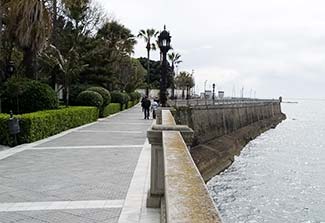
39, 125
104, 93
126, 99
24, 96
135, 96
90, 98
121, 98
75, 90
110, 109
106, 98
117, 97
130, 104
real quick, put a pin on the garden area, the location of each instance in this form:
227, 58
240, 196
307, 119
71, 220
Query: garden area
65, 63
66, 67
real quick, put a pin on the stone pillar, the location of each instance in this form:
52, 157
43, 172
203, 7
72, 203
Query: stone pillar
157, 183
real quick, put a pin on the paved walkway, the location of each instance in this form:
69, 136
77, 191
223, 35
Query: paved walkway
95, 173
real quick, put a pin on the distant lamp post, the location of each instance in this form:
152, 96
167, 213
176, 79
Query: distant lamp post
187, 91
164, 45
213, 92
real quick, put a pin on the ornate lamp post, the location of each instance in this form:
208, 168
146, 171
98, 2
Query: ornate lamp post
187, 91
164, 45
213, 92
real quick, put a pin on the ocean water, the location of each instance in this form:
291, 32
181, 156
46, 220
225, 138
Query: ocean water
279, 176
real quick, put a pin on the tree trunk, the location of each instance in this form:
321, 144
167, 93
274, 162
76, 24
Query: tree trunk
148, 71
55, 21
29, 63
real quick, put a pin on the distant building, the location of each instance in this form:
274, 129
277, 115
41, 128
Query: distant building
221, 94
207, 94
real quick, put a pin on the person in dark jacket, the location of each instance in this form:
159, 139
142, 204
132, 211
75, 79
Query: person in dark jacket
146, 107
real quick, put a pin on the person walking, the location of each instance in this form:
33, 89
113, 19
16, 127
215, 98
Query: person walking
154, 108
146, 106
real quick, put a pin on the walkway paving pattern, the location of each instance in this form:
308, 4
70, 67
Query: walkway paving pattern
80, 176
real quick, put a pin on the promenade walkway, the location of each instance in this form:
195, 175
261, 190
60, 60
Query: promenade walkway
95, 173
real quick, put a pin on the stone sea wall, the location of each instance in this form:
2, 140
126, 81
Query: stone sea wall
222, 130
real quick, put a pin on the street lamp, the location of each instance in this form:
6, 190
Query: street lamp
214, 87
164, 45
187, 91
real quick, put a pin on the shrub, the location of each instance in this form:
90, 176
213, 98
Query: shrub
90, 98
103, 92
39, 125
117, 97
135, 96
130, 104
4, 130
75, 90
126, 98
121, 98
24, 96
112, 108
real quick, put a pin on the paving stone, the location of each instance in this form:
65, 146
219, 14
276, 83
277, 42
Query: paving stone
72, 175
75, 174
9, 217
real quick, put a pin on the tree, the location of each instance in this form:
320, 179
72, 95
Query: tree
131, 74
117, 37
106, 55
147, 35
67, 68
153, 78
29, 22
174, 59
184, 81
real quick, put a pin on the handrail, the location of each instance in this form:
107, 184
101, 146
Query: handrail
233, 101
186, 195
167, 118
174, 176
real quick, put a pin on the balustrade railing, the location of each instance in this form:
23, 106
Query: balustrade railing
226, 101
176, 184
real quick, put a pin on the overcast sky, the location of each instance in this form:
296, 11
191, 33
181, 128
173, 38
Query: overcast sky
272, 47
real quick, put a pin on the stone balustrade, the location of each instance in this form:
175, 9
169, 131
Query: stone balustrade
176, 184
230, 101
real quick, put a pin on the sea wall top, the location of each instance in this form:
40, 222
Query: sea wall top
210, 119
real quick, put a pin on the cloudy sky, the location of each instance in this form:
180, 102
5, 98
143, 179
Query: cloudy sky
272, 48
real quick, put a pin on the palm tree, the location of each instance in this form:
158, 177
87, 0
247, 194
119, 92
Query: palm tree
147, 35
30, 23
184, 81
174, 60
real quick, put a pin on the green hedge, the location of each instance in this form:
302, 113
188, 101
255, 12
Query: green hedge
90, 98
39, 125
110, 109
25, 96
130, 104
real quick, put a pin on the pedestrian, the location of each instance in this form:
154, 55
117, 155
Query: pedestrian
146, 106
154, 108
